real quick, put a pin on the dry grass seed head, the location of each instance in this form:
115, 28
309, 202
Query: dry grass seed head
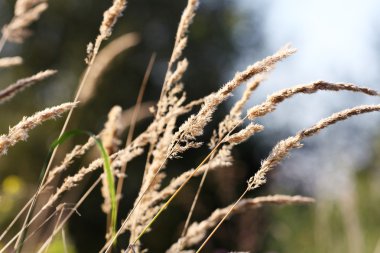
194, 125
179, 45
197, 231
273, 100
77, 151
72, 181
22, 6
244, 134
233, 119
183, 27
7, 93
251, 87
16, 30
282, 149
110, 17
20, 131
222, 159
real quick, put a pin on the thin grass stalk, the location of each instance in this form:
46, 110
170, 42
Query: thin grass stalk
195, 200
41, 225
50, 178
55, 227
140, 98
131, 130
222, 220
15, 219
30, 235
21, 84
82, 199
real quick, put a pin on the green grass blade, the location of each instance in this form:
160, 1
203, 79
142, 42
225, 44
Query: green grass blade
107, 170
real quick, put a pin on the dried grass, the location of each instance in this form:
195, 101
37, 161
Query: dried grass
197, 231
20, 131
26, 12
9, 92
166, 138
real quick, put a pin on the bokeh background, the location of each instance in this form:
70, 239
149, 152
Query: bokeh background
337, 41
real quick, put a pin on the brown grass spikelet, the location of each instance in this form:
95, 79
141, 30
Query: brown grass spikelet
7, 62
244, 134
26, 13
216, 162
186, 20
20, 131
262, 66
278, 153
339, 116
72, 181
194, 125
233, 118
110, 17
251, 87
176, 76
77, 151
183, 27
273, 100
22, 6
174, 73
24, 83
197, 231
282, 149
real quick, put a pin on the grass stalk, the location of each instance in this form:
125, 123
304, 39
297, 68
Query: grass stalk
131, 130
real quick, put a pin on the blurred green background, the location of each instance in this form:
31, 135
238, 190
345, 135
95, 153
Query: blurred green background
350, 223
